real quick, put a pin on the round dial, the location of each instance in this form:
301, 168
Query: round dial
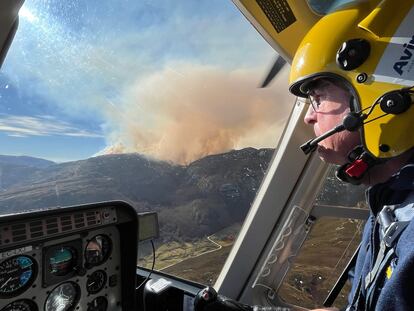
97, 250
62, 261
98, 304
21, 305
16, 275
96, 281
63, 297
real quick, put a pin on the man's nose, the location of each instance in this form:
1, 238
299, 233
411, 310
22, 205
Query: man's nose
310, 117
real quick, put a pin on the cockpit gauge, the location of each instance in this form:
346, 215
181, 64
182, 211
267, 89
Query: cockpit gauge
96, 281
98, 304
97, 250
63, 297
21, 305
16, 275
62, 261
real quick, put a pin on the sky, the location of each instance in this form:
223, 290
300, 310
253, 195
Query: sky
176, 80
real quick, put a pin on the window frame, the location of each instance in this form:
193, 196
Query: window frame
290, 181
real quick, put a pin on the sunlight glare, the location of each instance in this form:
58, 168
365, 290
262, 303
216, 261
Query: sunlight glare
25, 13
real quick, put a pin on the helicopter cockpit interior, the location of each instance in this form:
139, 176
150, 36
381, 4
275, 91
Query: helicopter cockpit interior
282, 228
56, 260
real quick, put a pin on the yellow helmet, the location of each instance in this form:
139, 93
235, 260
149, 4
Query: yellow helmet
370, 50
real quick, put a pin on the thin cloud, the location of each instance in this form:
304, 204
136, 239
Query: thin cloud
80, 71
25, 126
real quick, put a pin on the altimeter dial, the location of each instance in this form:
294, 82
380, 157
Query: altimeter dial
16, 275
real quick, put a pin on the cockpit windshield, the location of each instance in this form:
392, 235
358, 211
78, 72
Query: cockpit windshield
151, 102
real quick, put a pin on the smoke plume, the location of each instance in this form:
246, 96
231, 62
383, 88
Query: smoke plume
183, 114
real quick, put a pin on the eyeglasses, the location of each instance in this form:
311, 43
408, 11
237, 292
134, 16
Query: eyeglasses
314, 100
318, 91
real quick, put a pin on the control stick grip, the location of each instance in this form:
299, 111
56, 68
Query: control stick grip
207, 299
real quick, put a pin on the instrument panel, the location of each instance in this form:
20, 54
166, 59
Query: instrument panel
77, 268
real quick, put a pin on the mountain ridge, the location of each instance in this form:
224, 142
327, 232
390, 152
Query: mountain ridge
192, 200
25, 161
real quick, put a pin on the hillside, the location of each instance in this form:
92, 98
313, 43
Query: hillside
193, 201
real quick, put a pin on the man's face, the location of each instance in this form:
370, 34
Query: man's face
333, 105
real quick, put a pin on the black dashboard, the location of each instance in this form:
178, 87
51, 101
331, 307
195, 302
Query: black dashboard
69, 259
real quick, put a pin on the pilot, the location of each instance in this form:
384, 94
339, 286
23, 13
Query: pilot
361, 96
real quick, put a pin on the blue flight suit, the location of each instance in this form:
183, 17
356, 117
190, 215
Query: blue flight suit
395, 291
